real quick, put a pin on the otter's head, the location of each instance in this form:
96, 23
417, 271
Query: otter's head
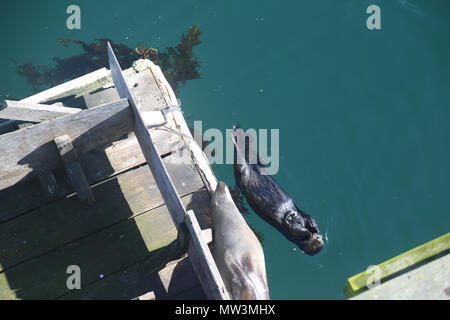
303, 230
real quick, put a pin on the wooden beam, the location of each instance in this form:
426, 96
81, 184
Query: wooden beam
429, 281
98, 165
24, 111
162, 178
24, 153
203, 262
71, 87
73, 169
394, 266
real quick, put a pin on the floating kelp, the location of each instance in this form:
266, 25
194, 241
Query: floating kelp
177, 63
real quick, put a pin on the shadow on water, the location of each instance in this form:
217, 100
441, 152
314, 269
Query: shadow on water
177, 63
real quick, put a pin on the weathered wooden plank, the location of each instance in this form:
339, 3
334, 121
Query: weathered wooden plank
143, 276
127, 283
177, 276
99, 255
94, 99
148, 296
24, 153
62, 222
98, 165
72, 87
358, 283
145, 90
82, 86
430, 281
32, 112
201, 257
201, 161
73, 168
203, 262
162, 178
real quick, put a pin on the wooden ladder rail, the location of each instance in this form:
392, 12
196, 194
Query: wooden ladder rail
186, 223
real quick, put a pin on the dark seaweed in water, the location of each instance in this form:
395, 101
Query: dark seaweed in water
177, 63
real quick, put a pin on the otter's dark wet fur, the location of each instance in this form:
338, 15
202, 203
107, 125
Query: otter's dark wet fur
272, 203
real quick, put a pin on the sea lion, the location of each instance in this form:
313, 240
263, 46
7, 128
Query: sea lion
237, 252
270, 201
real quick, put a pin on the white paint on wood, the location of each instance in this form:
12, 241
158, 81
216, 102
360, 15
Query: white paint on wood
152, 118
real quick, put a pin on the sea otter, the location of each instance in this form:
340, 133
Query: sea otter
270, 201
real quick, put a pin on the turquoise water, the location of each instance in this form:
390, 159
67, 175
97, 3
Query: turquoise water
363, 114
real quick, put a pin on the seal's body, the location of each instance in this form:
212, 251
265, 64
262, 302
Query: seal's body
237, 252
270, 201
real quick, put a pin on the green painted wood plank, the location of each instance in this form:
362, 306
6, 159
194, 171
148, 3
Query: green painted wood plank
358, 283
430, 281
62, 222
146, 237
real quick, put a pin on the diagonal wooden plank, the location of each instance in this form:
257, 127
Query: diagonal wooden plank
33, 112
163, 180
24, 153
71, 87
203, 262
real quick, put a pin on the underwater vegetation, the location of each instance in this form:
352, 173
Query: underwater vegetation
177, 63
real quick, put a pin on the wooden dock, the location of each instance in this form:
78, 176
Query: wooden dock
422, 273
105, 176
